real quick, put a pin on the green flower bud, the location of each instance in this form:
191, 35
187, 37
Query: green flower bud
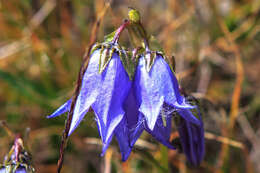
134, 15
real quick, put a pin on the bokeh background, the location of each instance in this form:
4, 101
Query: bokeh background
216, 45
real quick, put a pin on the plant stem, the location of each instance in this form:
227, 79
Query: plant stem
120, 30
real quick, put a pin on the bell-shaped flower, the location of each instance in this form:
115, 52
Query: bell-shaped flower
136, 122
152, 100
156, 85
191, 137
8, 169
105, 86
17, 160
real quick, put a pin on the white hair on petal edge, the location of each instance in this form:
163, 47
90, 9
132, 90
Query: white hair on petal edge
139, 123
167, 111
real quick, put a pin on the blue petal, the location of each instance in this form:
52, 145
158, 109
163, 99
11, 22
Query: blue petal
106, 145
155, 87
192, 138
135, 121
61, 110
21, 170
188, 116
108, 107
91, 83
161, 131
122, 136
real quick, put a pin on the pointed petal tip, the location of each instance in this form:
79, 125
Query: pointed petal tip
49, 116
53, 115
151, 124
73, 127
105, 146
184, 106
132, 143
61, 110
103, 153
151, 116
104, 149
126, 155
71, 131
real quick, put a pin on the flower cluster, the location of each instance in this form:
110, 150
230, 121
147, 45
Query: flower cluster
18, 160
132, 92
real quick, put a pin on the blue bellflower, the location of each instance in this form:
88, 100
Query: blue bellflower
136, 123
21, 169
153, 98
105, 92
191, 137
17, 160
157, 87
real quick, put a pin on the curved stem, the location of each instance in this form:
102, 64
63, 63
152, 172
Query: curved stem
119, 31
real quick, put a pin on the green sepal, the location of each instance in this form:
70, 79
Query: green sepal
95, 47
106, 53
154, 45
128, 63
170, 63
12, 168
109, 38
149, 60
195, 111
173, 64
193, 101
136, 35
164, 118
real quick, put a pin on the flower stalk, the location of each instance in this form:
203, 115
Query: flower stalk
120, 30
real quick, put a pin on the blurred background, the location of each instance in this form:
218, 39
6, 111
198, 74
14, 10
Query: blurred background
216, 45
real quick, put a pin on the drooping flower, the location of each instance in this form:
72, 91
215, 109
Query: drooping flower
136, 123
153, 98
155, 85
191, 137
8, 169
105, 86
17, 160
